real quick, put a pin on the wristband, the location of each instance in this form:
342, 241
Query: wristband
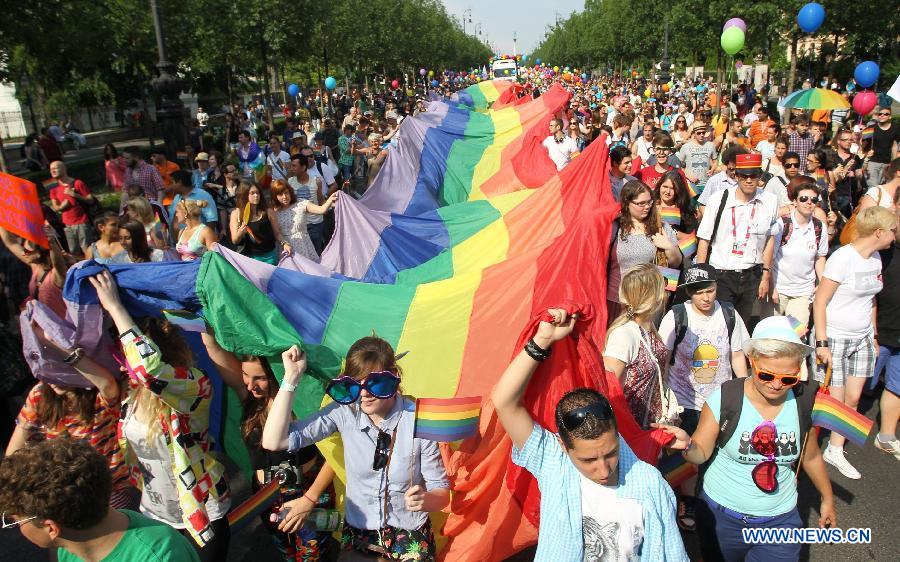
822, 343
314, 502
536, 352
690, 444
288, 386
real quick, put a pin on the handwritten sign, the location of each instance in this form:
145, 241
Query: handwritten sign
20, 210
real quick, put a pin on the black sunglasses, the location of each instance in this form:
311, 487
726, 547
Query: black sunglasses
382, 450
804, 198
794, 165
573, 419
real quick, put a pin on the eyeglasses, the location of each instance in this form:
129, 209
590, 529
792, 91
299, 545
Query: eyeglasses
786, 379
662, 148
382, 450
884, 114
9, 522
380, 384
642, 203
573, 419
792, 165
805, 198
764, 441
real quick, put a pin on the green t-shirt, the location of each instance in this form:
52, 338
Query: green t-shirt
145, 540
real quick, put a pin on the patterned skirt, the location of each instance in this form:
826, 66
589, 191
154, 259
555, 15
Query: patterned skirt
392, 543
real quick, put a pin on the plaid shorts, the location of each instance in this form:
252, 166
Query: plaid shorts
850, 358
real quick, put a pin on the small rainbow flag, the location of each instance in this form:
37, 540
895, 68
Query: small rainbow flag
868, 133
671, 277
691, 190
675, 469
799, 328
831, 413
50, 183
447, 419
181, 155
670, 215
187, 321
248, 511
687, 243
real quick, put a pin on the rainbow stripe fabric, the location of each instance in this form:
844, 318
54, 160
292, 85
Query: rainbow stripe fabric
464, 239
799, 328
675, 469
687, 243
252, 507
185, 320
447, 419
868, 133
671, 277
670, 215
831, 413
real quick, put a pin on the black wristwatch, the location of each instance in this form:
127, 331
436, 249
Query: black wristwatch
821, 343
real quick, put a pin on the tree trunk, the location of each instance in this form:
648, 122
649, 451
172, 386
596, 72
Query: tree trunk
265, 80
792, 75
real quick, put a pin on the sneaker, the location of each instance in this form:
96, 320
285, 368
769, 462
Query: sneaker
837, 459
687, 514
889, 447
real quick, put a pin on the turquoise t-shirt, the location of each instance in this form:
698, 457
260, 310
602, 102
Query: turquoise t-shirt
146, 540
729, 480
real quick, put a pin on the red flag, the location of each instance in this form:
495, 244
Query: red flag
20, 210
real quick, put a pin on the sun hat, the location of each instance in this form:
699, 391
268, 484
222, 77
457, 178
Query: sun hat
781, 328
201, 156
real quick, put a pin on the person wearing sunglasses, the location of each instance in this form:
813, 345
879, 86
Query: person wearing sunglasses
748, 480
596, 496
777, 184
801, 247
885, 139
394, 480
58, 493
560, 147
844, 316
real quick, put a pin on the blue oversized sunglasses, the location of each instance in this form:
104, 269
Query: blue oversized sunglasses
380, 384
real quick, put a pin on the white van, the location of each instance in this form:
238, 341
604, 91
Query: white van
504, 69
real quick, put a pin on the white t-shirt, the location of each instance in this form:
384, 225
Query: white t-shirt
560, 152
794, 263
777, 186
743, 229
767, 150
613, 527
849, 313
643, 149
703, 358
623, 343
881, 196
279, 164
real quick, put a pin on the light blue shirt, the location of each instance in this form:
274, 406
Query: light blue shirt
729, 480
419, 458
560, 537
208, 214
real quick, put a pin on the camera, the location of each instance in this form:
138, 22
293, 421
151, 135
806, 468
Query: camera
284, 473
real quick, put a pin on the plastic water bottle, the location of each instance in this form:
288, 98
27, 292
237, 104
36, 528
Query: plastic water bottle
321, 520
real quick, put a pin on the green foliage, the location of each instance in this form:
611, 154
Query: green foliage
631, 33
66, 54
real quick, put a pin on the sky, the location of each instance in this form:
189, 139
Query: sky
528, 19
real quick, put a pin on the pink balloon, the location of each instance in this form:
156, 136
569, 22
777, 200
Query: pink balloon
394, 84
735, 22
864, 102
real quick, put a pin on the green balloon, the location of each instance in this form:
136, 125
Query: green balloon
732, 40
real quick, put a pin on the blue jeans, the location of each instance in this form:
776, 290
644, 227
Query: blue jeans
889, 360
721, 537
317, 235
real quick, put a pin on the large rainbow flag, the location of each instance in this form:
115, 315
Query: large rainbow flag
470, 241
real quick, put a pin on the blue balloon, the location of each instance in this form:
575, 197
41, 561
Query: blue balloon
584, 75
293, 90
866, 73
434, 83
524, 58
537, 61
330, 83
810, 17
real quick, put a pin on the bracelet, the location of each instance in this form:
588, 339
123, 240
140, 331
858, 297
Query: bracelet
288, 386
536, 352
821, 343
690, 444
314, 502
74, 357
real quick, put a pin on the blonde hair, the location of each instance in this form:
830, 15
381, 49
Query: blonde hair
192, 207
150, 409
142, 209
871, 219
771, 349
641, 292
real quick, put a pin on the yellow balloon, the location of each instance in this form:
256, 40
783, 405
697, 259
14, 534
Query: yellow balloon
430, 73
647, 93
555, 69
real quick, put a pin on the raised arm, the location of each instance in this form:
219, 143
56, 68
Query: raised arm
508, 393
275, 432
324, 207
227, 363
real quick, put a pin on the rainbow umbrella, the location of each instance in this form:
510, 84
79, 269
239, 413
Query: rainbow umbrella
815, 98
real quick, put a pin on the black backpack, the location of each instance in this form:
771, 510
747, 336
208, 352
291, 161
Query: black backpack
788, 229
680, 313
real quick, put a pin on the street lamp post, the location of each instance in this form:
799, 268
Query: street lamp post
170, 114
467, 13
665, 65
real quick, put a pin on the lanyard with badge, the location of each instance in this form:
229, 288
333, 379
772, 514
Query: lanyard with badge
738, 249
